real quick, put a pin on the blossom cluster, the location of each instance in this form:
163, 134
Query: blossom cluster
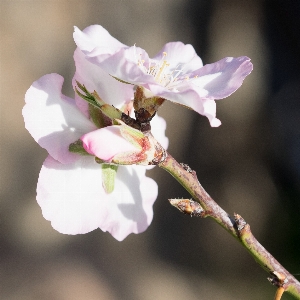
95, 172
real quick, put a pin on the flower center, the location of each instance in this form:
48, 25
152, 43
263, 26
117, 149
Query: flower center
161, 72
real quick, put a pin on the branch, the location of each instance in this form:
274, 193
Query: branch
236, 226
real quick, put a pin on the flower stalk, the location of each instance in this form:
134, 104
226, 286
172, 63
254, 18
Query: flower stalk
236, 226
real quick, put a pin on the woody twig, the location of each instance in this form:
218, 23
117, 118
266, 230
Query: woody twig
236, 226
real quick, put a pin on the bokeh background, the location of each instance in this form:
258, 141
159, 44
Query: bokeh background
249, 165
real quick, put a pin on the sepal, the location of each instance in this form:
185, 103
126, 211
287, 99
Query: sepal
145, 100
145, 150
77, 147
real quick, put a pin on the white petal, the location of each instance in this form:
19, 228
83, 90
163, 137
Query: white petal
71, 196
53, 119
134, 195
73, 199
158, 129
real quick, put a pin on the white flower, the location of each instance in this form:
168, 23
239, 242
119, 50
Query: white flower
76, 193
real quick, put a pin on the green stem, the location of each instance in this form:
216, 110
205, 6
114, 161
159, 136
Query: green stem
188, 179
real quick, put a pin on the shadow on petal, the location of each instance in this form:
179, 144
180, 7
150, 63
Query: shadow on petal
136, 211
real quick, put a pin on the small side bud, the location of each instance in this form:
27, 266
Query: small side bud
188, 206
240, 222
121, 145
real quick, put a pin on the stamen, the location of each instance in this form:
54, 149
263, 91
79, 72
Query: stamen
158, 69
165, 64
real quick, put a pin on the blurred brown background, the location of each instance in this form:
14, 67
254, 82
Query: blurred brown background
249, 165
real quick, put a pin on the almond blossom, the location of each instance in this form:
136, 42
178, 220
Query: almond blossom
76, 192
176, 73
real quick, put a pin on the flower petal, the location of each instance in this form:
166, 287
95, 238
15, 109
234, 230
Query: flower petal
123, 64
223, 77
191, 98
69, 195
209, 110
105, 51
135, 195
180, 56
112, 56
73, 199
96, 36
106, 142
158, 129
96, 79
53, 119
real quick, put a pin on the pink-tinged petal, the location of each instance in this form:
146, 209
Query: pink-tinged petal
192, 98
115, 58
223, 77
53, 119
105, 51
73, 199
186, 96
96, 36
180, 56
123, 64
106, 142
96, 79
209, 110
